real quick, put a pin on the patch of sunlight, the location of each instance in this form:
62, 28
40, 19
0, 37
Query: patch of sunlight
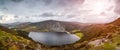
79, 34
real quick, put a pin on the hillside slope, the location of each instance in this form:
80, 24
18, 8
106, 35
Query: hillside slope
11, 41
96, 36
89, 30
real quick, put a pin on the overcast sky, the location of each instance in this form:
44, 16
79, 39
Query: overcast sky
84, 11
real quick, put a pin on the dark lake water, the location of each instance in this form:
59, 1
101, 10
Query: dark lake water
53, 38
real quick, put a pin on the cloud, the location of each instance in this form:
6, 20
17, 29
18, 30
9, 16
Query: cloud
17, 0
85, 11
48, 15
47, 2
117, 9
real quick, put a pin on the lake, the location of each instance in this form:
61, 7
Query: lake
53, 38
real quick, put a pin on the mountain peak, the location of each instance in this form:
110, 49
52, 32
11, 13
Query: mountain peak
51, 21
116, 22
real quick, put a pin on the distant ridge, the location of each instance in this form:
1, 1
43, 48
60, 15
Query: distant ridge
116, 22
89, 30
7, 30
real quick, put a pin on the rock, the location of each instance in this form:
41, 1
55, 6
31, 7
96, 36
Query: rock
98, 42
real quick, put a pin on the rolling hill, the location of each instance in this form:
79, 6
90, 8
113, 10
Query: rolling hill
89, 30
10, 40
102, 36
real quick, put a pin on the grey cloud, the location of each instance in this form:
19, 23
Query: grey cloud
47, 15
117, 9
67, 10
47, 2
16, 0
1, 17
16, 16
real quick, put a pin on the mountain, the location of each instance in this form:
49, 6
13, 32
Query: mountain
12, 25
51, 25
95, 36
2, 28
54, 26
89, 30
116, 22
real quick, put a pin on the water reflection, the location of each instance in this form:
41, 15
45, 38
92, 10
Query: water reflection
53, 38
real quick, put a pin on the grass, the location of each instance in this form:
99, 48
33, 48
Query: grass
9, 41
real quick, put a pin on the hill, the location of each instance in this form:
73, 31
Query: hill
9, 40
89, 30
96, 36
